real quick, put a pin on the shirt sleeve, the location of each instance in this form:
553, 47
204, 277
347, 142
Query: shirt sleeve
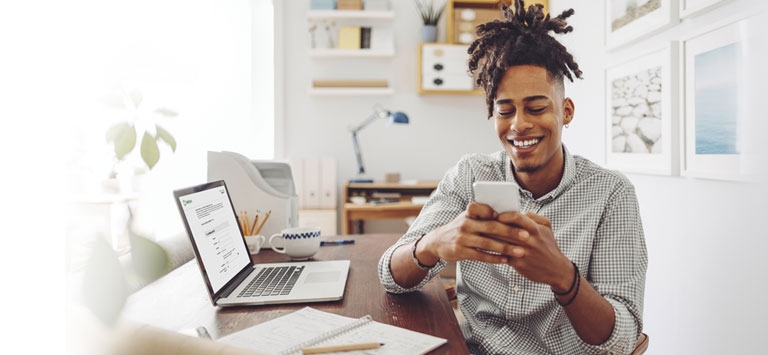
617, 269
449, 200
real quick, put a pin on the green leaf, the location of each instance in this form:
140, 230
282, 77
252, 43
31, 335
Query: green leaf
166, 137
166, 112
123, 136
149, 151
136, 96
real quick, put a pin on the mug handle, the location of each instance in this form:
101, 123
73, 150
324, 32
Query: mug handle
281, 251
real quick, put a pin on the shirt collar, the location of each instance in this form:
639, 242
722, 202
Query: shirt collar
569, 175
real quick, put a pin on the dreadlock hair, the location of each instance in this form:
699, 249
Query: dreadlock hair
522, 38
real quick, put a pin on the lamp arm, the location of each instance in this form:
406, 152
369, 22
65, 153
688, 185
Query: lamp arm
365, 123
358, 156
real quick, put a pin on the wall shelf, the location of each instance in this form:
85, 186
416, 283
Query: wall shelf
350, 53
350, 15
351, 91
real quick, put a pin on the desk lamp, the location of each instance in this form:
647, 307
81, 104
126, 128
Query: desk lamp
378, 112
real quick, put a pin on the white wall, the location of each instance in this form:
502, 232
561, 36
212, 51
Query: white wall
194, 57
705, 246
318, 125
705, 282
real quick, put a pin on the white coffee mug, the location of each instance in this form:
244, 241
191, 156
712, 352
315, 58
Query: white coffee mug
255, 242
298, 243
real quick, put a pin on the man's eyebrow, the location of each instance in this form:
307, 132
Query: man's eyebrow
526, 99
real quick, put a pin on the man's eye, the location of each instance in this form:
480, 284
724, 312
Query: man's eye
537, 109
505, 113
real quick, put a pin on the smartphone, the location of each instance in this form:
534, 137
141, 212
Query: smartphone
502, 196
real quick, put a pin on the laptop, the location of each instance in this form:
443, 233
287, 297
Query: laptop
231, 277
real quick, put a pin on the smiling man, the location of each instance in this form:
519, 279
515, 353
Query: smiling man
566, 274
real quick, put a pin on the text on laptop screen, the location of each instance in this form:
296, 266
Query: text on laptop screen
216, 233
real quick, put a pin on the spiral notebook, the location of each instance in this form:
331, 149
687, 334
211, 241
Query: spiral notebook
309, 327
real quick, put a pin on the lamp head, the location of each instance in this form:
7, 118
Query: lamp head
398, 117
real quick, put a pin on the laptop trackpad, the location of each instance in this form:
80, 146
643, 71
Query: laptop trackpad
322, 276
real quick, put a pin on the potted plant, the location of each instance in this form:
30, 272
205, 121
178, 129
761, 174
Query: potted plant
430, 13
138, 126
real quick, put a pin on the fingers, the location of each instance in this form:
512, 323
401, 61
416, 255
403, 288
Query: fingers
480, 211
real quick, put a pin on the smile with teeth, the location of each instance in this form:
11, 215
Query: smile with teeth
524, 143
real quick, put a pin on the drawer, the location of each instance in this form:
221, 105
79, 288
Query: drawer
442, 58
460, 81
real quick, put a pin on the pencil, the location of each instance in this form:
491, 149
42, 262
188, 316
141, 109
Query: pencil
263, 220
253, 226
245, 223
335, 348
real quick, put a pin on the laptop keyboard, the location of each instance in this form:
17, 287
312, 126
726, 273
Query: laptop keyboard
272, 281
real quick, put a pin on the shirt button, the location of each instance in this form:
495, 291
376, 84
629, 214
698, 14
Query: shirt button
516, 289
498, 342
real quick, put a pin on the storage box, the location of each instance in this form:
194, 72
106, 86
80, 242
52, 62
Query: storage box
349, 5
322, 4
376, 5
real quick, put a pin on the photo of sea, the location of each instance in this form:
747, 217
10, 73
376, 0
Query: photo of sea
716, 93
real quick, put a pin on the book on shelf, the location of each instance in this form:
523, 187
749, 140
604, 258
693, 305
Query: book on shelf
365, 37
349, 37
309, 327
390, 195
349, 83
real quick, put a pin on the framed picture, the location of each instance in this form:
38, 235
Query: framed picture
693, 7
715, 120
641, 108
628, 20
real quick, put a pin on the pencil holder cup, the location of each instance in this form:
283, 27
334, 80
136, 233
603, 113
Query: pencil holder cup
298, 243
254, 243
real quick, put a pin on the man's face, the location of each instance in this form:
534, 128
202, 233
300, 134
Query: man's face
530, 112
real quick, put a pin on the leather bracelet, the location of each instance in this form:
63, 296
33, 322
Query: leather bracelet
576, 283
575, 277
576, 293
416, 260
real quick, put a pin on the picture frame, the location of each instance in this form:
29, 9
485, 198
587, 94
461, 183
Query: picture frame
690, 8
630, 20
715, 121
641, 113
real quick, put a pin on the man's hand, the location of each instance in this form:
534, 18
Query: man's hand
470, 236
541, 259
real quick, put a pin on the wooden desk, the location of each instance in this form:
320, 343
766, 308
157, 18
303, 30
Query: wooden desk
352, 213
179, 301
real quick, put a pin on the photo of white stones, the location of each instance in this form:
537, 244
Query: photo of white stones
636, 106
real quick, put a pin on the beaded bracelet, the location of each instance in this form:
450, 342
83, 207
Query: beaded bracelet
416, 260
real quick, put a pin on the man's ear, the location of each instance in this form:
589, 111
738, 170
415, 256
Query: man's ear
568, 110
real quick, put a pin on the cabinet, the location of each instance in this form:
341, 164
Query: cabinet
382, 200
331, 47
439, 63
443, 70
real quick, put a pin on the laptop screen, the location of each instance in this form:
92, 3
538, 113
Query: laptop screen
211, 221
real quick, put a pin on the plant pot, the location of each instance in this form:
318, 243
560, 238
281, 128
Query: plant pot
429, 33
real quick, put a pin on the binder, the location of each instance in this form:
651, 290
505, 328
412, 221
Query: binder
311, 182
327, 182
349, 37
